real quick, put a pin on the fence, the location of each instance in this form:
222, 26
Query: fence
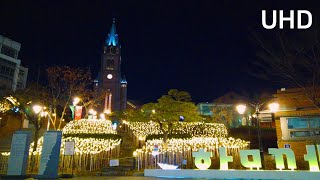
3, 163
145, 160
68, 164
182, 155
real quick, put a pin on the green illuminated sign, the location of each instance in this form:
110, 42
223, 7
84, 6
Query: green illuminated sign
311, 157
202, 159
224, 158
256, 159
278, 155
252, 159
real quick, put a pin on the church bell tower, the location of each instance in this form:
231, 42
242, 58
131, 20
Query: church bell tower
111, 84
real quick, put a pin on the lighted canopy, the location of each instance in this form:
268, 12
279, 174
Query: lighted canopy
195, 129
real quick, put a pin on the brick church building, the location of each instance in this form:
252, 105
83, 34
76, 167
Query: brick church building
110, 81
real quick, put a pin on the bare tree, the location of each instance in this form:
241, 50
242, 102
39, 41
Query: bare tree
23, 100
292, 58
64, 83
91, 99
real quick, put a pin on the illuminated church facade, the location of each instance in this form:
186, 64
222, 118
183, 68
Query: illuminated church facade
110, 81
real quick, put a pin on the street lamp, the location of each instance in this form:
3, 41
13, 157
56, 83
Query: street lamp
241, 108
93, 113
102, 116
76, 110
274, 107
76, 100
37, 109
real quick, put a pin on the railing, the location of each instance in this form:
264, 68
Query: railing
69, 164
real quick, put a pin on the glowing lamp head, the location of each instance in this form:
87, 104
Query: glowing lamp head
153, 111
102, 116
274, 107
241, 108
37, 109
141, 138
135, 153
76, 100
91, 111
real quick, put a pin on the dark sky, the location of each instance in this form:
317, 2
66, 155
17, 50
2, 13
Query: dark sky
202, 47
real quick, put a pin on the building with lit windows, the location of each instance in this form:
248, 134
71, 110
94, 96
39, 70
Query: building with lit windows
13, 75
110, 82
297, 121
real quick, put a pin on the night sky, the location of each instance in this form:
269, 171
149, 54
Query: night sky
203, 47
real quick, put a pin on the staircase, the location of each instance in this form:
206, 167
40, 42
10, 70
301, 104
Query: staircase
127, 163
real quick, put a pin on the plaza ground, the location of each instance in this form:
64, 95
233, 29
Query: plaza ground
115, 178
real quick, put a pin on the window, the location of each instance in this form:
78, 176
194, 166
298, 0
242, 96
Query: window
303, 127
299, 133
21, 73
110, 64
8, 51
297, 123
206, 110
6, 72
19, 85
314, 122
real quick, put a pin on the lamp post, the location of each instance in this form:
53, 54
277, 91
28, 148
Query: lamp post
37, 109
74, 108
274, 107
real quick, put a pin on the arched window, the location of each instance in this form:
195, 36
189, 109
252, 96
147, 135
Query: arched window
110, 64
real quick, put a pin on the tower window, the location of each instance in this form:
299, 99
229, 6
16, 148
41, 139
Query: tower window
110, 64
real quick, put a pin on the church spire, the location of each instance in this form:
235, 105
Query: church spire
112, 38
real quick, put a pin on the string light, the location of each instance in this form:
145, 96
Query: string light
89, 126
88, 145
208, 143
195, 129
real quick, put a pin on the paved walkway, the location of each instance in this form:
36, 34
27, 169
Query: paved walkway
116, 178
119, 178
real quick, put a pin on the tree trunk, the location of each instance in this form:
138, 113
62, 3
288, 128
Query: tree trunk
165, 137
64, 109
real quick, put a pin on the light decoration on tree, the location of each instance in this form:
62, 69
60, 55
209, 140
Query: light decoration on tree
89, 126
89, 145
7, 103
82, 145
206, 136
4, 106
94, 140
195, 129
176, 150
209, 144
